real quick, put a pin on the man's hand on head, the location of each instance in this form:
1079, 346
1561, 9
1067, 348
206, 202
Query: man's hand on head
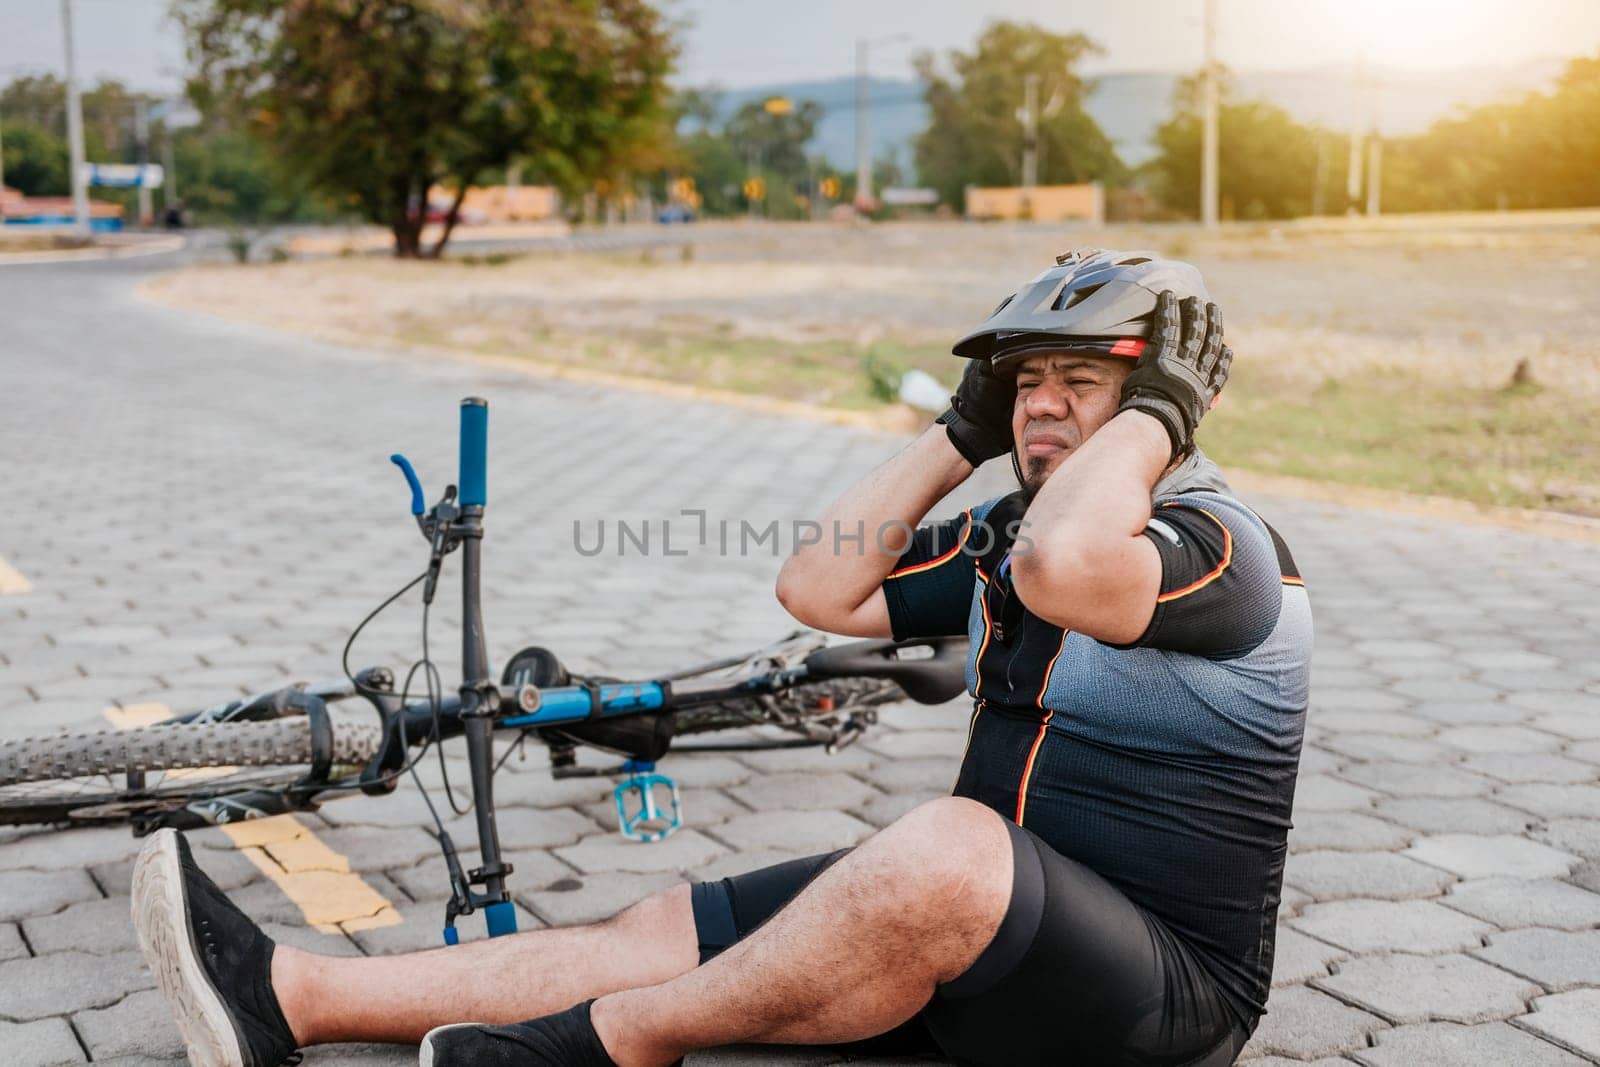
979, 419
1182, 370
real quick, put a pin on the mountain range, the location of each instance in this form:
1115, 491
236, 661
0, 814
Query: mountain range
1130, 105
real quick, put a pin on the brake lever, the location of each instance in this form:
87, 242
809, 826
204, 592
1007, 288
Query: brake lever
417, 501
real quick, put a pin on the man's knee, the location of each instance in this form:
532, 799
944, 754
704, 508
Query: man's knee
665, 909
952, 853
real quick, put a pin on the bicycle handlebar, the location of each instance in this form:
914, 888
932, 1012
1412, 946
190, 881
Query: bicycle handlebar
474, 452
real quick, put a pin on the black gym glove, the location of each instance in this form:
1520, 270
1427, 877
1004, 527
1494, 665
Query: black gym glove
979, 419
1182, 370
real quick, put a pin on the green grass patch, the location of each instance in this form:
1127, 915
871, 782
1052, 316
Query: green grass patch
1524, 445
1521, 446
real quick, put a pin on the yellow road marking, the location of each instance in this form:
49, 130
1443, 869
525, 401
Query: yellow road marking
12, 582
132, 716
331, 896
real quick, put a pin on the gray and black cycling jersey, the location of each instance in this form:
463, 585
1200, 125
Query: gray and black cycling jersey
1166, 766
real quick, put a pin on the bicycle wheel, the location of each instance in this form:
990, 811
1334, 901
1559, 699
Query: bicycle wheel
115, 775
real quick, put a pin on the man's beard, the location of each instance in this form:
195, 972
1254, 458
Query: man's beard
1031, 473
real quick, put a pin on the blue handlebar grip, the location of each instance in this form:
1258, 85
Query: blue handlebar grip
411, 479
501, 918
474, 452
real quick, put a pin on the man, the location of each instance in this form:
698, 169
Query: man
1103, 885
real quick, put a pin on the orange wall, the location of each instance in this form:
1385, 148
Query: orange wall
1042, 203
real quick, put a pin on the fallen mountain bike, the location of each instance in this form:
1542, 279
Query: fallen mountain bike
301, 746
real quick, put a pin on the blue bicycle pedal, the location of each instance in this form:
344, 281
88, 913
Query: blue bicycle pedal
655, 816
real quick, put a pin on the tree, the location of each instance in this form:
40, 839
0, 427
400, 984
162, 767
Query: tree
36, 160
377, 101
1268, 162
774, 140
108, 113
228, 175
974, 135
1539, 151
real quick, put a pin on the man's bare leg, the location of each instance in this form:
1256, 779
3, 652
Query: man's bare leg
857, 952
506, 979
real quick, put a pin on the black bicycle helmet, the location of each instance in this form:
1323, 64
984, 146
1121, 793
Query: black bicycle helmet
1092, 300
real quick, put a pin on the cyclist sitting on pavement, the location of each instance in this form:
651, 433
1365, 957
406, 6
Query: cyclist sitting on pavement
1103, 885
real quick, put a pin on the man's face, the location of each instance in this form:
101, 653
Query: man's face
1062, 398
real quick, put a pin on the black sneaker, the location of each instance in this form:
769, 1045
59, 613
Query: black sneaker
566, 1039
212, 963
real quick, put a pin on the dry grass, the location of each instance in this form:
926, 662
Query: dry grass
24, 239
1365, 354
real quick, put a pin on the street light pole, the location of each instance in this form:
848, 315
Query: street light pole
80, 190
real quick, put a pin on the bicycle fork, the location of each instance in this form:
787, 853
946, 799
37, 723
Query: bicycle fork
457, 521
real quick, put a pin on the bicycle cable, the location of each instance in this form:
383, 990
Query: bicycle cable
430, 676
397, 722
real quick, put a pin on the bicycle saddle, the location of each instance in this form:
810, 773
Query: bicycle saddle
931, 670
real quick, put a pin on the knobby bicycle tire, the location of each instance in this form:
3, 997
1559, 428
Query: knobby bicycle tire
57, 777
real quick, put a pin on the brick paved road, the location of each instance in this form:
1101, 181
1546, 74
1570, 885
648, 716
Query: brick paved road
215, 510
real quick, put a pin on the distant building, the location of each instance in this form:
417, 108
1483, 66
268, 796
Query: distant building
1039, 203
497, 203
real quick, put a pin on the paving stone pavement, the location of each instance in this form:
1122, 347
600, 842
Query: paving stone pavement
204, 509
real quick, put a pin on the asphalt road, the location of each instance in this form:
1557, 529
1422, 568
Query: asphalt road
203, 509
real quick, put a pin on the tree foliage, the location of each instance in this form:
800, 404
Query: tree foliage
754, 142
1540, 151
1270, 165
35, 112
975, 135
35, 160
377, 101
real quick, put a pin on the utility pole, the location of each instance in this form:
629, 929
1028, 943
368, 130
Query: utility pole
80, 188
863, 131
863, 120
1318, 201
1030, 132
1352, 186
141, 134
1374, 151
1208, 162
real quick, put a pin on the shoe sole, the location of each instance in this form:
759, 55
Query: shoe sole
160, 917
425, 1050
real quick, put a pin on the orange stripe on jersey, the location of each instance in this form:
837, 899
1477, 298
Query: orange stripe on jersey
1290, 579
918, 568
1027, 769
1201, 583
1039, 701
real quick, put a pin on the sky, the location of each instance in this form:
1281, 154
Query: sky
738, 43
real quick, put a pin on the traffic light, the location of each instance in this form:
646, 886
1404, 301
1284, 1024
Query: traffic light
829, 188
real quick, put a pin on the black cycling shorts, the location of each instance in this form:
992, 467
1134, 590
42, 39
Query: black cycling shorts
1076, 974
